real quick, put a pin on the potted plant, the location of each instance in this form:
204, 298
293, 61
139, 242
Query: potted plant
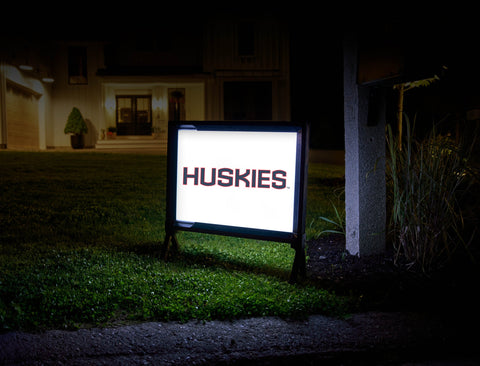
112, 133
77, 127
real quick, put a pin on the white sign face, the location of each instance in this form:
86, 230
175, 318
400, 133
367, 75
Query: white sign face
237, 178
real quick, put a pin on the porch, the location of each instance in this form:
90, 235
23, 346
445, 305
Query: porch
141, 143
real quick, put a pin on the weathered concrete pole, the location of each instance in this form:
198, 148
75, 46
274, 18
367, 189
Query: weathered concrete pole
365, 191
3, 109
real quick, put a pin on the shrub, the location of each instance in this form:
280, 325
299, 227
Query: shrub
425, 181
75, 123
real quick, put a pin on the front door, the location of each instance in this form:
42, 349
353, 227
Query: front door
134, 115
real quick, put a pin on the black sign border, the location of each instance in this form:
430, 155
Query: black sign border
296, 238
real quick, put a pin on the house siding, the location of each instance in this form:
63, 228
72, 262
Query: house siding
201, 71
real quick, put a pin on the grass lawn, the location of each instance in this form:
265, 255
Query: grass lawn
80, 235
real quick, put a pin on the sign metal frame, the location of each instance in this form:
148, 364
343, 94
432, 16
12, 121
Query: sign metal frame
296, 237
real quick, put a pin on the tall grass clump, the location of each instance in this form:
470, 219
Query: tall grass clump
426, 180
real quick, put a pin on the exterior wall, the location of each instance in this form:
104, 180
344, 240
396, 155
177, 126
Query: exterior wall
215, 61
96, 100
221, 51
25, 105
87, 98
158, 89
270, 62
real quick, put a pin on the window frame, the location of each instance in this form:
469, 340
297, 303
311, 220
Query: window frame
77, 66
133, 108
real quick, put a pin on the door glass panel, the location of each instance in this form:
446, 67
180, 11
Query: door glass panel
134, 115
124, 110
143, 110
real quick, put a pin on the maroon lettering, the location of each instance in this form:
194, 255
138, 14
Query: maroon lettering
186, 176
262, 178
277, 182
241, 177
212, 179
226, 177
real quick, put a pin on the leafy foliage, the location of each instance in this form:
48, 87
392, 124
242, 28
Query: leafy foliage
417, 83
425, 181
75, 123
338, 222
326, 193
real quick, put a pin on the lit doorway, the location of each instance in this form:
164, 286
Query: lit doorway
134, 115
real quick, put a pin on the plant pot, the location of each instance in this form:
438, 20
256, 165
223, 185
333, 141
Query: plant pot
77, 141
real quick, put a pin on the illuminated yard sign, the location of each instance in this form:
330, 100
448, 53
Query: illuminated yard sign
238, 179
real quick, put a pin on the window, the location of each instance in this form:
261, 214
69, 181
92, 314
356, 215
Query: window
247, 101
77, 65
246, 39
134, 115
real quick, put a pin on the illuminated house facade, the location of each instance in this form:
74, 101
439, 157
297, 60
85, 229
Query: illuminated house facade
134, 83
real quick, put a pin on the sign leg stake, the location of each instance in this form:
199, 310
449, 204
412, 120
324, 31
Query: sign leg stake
170, 237
299, 262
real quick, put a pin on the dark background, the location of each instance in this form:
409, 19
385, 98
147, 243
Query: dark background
425, 39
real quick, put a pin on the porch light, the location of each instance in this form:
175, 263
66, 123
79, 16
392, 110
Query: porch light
110, 103
48, 79
158, 103
25, 67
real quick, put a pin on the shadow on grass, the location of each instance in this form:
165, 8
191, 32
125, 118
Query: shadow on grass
327, 182
214, 260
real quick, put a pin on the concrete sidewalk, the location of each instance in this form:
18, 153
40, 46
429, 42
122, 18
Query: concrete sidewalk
374, 338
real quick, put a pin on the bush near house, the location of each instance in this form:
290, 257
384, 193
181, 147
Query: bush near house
75, 123
80, 239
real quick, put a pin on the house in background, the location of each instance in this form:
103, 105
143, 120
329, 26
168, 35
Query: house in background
135, 81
